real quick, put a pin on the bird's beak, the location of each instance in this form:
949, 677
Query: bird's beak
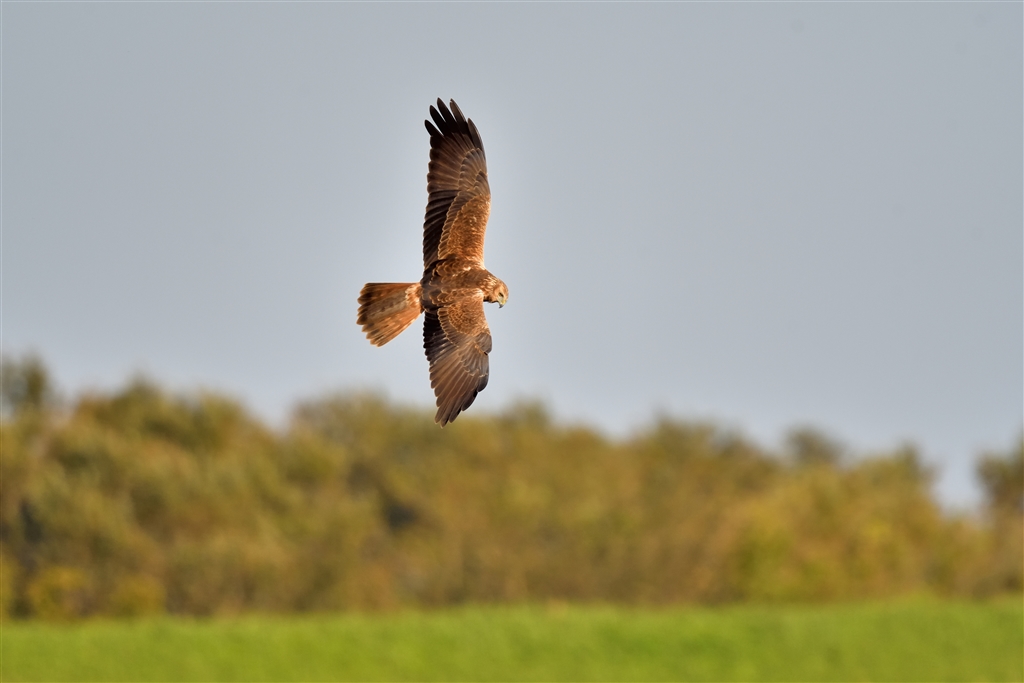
501, 302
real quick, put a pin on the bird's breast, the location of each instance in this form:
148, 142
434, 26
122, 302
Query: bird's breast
443, 278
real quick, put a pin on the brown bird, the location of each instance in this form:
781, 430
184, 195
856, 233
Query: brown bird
455, 283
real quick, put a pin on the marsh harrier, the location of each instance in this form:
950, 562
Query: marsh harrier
455, 284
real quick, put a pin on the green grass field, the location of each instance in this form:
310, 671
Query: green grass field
902, 641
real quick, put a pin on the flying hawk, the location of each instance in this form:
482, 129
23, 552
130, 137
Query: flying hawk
455, 283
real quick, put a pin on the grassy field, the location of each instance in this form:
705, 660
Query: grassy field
903, 641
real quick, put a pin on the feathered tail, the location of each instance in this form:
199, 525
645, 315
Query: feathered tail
387, 308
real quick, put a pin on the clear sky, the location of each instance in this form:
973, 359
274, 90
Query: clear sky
767, 214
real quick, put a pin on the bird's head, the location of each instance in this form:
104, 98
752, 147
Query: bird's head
498, 293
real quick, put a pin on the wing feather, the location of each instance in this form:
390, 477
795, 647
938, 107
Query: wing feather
456, 339
459, 195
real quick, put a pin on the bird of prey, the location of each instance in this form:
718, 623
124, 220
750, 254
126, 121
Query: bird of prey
455, 284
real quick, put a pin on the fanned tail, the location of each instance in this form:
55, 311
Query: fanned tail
387, 308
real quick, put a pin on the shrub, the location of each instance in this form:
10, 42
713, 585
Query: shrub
139, 501
59, 593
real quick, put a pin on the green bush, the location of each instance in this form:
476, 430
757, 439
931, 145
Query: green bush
139, 501
59, 593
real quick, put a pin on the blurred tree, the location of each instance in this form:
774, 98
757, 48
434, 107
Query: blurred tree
24, 385
59, 593
808, 446
139, 501
1002, 476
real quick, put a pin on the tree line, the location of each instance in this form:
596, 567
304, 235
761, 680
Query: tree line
140, 501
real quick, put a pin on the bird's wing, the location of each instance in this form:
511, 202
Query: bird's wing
457, 341
459, 200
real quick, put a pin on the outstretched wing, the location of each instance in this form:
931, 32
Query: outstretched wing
457, 341
459, 199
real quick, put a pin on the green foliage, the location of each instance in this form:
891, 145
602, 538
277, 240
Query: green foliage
58, 593
809, 447
1002, 475
24, 385
139, 502
905, 641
